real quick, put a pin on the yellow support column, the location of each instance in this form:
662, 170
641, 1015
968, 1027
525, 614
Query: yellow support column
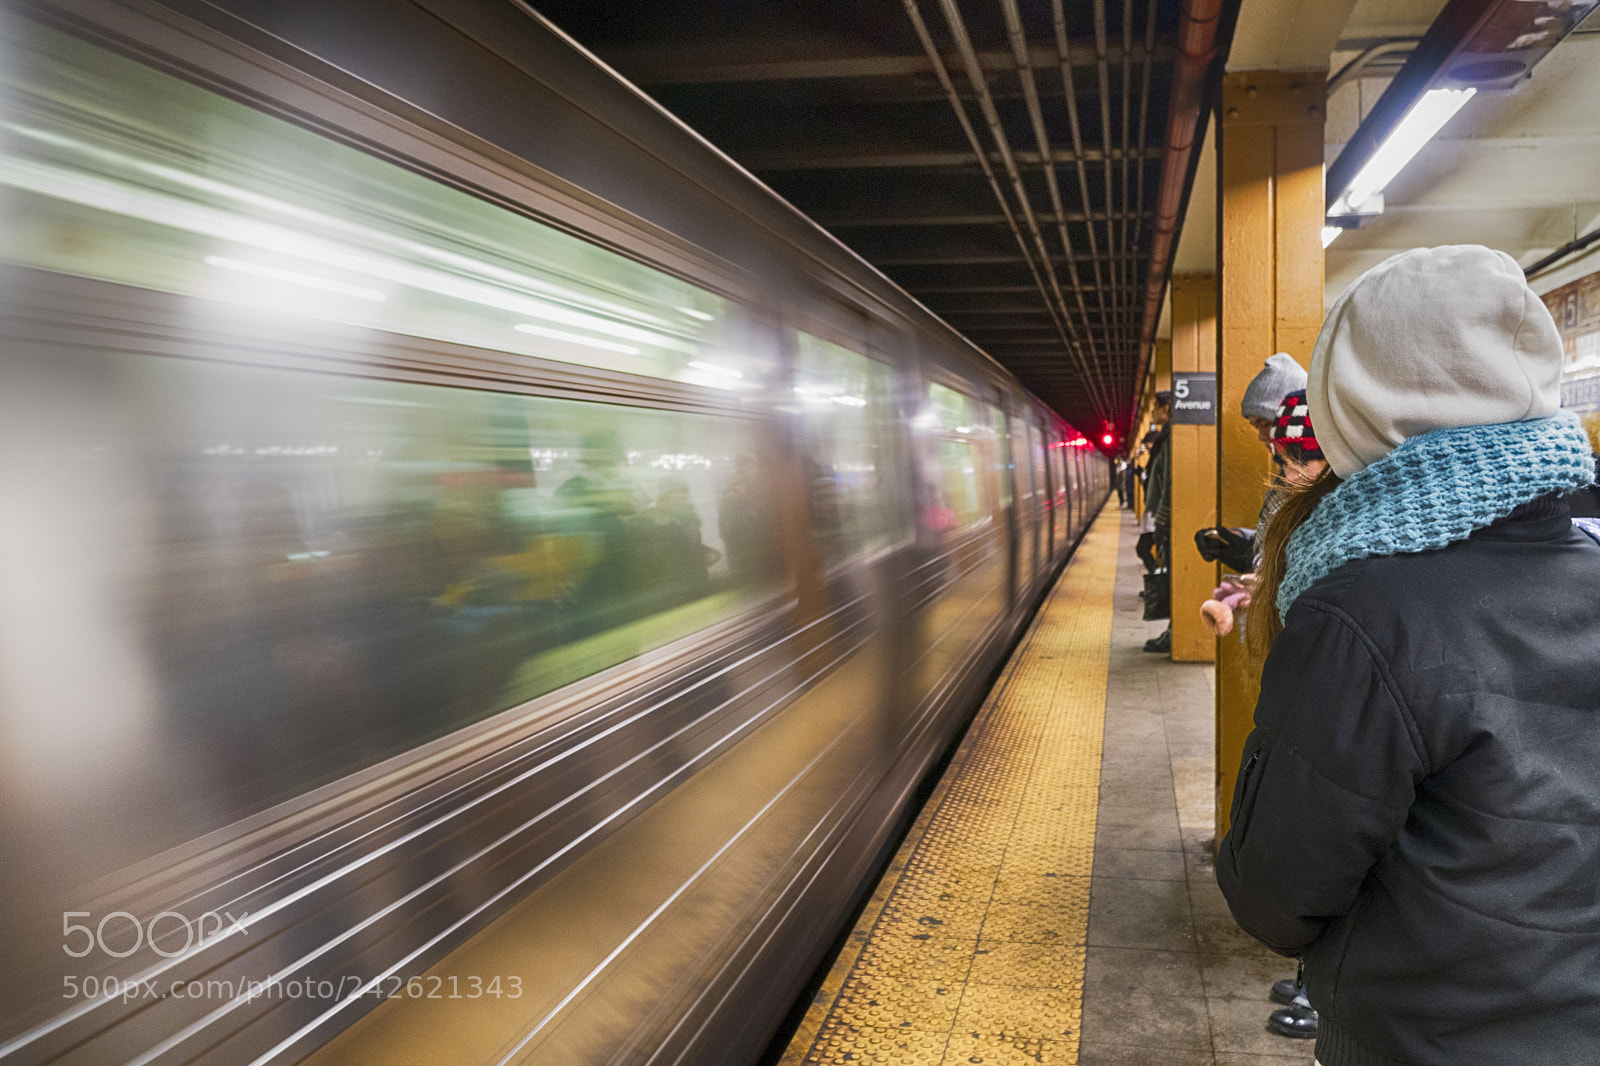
1162, 362
1194, 469
1270, 213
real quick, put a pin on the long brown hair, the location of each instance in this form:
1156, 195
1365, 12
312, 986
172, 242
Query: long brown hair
1300, 498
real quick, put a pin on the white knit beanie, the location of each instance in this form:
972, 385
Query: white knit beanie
1431, 339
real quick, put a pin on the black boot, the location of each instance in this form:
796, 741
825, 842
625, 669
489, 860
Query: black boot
1298, 1020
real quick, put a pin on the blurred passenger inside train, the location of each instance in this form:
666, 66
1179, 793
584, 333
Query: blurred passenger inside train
741, 521
600, 506
1417, 814
680, 561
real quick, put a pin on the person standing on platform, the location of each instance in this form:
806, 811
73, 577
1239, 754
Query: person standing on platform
1158, 503
1274, 422
1417, 814
1281, 375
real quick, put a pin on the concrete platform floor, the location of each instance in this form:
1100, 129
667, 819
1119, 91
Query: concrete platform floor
1170, 979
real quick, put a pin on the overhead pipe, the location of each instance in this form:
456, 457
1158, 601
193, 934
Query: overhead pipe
1357, 66
926, 38
1570, 248
980, 88
1063, 53
1030, 94
1127, 312
1126, 263
1198, 41
1103, 68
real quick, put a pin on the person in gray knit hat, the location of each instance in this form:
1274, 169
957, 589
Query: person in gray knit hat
1278, 378
1235, 548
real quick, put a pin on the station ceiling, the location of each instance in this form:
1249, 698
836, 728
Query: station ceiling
1518, 171
945, 141
1515, 170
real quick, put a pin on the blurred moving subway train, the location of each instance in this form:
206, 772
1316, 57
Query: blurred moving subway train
445, 504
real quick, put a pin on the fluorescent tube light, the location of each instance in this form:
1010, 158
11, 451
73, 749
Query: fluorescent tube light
310, 281
1426, 117
561, 335
712, 368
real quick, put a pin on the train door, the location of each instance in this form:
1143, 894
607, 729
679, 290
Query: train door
1041, 489
1064, 484
1058, 473
1027, 517
1005, 489
1051, 484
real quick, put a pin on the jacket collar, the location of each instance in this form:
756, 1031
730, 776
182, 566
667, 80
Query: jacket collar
1545, 518
1437, 488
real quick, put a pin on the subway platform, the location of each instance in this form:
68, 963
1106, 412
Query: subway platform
1056, 902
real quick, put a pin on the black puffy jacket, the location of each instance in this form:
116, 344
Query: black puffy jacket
1418, 813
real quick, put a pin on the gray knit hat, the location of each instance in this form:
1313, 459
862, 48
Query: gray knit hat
1281, 376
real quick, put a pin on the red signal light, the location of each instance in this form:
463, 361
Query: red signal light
1107, 439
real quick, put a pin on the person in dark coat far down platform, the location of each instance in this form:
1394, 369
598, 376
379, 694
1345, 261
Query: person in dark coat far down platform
1417, 813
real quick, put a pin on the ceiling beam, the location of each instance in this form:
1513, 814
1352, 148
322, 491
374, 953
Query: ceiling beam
991, 260
877, 221
822, 159
711, 65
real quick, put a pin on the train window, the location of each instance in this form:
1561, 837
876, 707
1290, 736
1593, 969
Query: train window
122, 173
1000, 451
959, 440
274, 578
846, 418
1022, 469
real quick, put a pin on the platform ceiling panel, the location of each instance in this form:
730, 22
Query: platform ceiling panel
864, 116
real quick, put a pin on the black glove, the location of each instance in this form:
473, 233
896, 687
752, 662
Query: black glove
1231, 547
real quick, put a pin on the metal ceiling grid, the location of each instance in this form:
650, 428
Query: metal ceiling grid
998, 159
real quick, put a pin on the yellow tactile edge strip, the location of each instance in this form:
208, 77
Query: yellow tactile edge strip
972, 947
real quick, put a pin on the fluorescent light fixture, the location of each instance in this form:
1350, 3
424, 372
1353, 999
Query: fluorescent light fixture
575, 338
692, 313
327, 224
131, 201
293, 277
712, 368
849, 401
1426, 118
568, 317
1330, 234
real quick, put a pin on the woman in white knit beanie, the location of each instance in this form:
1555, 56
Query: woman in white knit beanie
1417, 816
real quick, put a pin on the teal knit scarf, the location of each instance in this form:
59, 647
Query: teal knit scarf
1435, 489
